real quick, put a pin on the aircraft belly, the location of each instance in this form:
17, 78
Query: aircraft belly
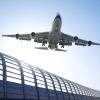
54, 39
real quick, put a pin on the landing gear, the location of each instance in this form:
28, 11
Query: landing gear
43, 44
62, 46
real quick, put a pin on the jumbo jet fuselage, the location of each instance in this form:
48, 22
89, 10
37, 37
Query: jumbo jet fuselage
55, 33
53, 37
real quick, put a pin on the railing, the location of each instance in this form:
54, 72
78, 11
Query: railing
19, 80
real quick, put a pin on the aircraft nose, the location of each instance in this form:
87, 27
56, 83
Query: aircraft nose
58, 17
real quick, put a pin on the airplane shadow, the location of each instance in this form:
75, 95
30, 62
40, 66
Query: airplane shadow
62, 50
45, 48
41, 48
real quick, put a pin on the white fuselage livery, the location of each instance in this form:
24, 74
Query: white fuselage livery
54, 35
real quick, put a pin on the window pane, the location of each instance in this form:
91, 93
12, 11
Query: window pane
0, 61
39, 78
1, 66
28, 79
13, 75
1, 77
12, 65
51, 87
40, 81
9, 58
1, 72
28, 75
41, 85
27, 70
13, 70
30, 83
25, 65
13, 80
49, 81
38, 74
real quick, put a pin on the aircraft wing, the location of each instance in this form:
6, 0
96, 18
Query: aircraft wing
43, 35
20, 36
68, 40
32, 35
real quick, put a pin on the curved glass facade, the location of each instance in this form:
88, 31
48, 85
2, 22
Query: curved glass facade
21, 81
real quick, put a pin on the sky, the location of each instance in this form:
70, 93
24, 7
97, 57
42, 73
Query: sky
79, 18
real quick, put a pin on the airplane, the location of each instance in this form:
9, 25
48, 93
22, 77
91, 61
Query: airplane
53, 37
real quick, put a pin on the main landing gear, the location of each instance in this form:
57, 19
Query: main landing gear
62, 46
43, 44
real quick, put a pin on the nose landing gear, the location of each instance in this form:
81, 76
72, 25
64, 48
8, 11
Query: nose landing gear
43, 44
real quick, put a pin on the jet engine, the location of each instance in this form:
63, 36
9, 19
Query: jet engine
39, 40
67, 43
80, 44
89, 43
75, 38
62, 43
17, 36
32, 34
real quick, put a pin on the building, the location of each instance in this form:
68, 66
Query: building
21, 81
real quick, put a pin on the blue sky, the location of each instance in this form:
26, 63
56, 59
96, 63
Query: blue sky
79, 17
